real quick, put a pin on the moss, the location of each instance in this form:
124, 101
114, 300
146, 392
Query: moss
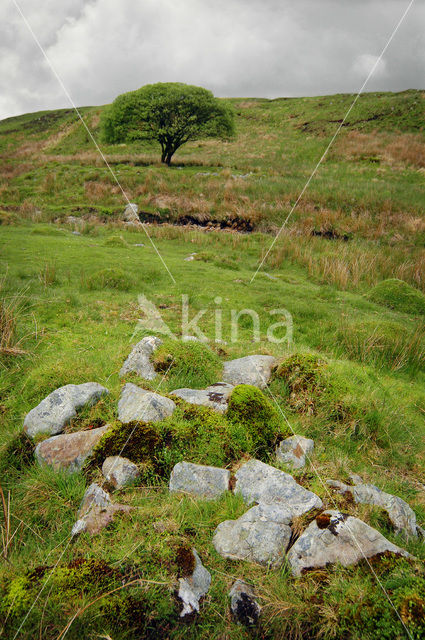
191, 364
398, 295
303, 375
115, 241
185, 560
19, 453
137, 441
109, 278
255, 423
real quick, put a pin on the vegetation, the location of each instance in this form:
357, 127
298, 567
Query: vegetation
353, 379
398, 295
170, 113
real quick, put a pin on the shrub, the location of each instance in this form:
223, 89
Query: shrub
398, 295
109, 278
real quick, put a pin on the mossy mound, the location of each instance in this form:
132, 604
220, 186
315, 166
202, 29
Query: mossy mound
256, 425
109, 278
303, 374
398, 295
189, 364
115, 241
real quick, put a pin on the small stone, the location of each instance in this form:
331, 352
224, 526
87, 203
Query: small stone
264, 484
59, 407
215, 396
245, 608
138, 404
139, 359
69, 450
96, 511
199, 480
119, 471
194, 587
292, 451
255, 370
337, 537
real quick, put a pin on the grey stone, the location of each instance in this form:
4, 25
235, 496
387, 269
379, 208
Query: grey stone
96, 511
264, 484
59, 407
199, 480
216, 396
292, 451
261, 535
139, 359
255, 370
119, 471
131, 213
193, 588
68, 451
337, 538
402, 517
138, 404
243, 605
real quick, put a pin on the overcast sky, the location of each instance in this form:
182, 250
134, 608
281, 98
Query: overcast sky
266, 48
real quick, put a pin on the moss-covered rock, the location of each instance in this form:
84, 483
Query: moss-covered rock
398, 295
189, 364
303, 374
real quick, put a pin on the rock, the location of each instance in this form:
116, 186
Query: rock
193, 587
215, 396
337, 537
189, 259
254, 370
245, 609
191, 339
139, 359
96, 511
260, 535
60, 406
402, 517
138, 404
131, 213
199, 480
119, 472
293, 450
69, 450
262, 483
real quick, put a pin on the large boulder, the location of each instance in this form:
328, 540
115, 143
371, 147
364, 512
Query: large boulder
243, 605
119, 472
292, 451
264, 484
139, 359
402, 517
96, 511
68, 451
255, 370
193, 587
138, 404
215, 396
59, 407
260, 535
199, 480
337, 537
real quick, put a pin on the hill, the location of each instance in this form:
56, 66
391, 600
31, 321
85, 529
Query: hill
347, 277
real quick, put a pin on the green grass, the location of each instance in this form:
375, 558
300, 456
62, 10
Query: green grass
353, 379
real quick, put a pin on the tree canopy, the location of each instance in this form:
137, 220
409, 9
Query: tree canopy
172, 113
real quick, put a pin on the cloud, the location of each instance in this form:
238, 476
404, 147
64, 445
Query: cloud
266, 48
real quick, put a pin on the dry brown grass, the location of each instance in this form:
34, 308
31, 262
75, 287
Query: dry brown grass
11, 310
96, 190
406, 149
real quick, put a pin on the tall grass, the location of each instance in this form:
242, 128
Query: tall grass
11, 313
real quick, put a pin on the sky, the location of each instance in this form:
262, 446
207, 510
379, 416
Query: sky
235, 48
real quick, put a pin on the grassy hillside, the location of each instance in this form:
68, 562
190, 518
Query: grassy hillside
63, 320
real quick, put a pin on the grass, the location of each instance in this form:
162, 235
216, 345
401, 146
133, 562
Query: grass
353, 378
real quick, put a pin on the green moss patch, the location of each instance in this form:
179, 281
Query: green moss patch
398, 295
189, 364
115, 241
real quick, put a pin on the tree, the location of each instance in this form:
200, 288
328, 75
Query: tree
171, 113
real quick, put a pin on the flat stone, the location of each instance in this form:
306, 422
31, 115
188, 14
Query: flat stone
96, 511
119, 471
138, 404
216, 396
292, 451
243, 605
199, 480
337, 537
264, 484
68, 451
255, 370
139, 359
194, 587
261, 535
402, 517
59, 407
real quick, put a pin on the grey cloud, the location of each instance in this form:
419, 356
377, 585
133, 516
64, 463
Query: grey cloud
265, 48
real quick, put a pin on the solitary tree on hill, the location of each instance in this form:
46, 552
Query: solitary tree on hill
171, 113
